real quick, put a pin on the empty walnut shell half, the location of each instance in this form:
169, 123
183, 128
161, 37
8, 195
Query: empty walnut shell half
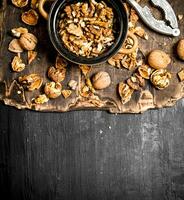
52, 90
57, 75
20, 3
160, 78
15, 46
30, 17
28, 41
17, 32
145, 71
130, 45
17, 64
125, 92
31, 82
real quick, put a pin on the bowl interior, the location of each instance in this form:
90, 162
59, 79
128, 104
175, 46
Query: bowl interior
120, 26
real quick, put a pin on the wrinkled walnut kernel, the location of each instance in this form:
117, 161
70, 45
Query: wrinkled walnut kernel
52, 90
41, 99
86, 29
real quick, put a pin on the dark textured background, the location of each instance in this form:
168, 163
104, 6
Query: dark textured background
92, 155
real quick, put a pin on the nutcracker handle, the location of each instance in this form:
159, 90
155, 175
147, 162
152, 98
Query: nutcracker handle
41, 9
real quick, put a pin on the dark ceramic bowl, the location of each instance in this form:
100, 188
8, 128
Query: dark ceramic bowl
120, 26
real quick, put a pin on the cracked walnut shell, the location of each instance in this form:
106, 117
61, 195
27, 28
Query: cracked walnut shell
17, 64
28, 41
52, 90
30, 17
160, 78
145, 71
20, 3
56, 75
31, 82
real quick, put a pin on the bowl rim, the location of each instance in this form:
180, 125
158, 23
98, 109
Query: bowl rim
72, 57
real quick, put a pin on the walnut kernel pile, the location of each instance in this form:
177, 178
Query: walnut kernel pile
86, 29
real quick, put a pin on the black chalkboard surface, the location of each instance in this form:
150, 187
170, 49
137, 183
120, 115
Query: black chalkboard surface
92, 155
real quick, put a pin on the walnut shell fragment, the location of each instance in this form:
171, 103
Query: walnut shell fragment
85, 69
15, 46
56, 75
60, 63
101, 80
31, 82
34, 4
160, 78
136, 82
41, 99
17, 64
145, 71
125, 92
31, 56
141, 32
20, 3
28, 41
73, 84
30, 17
181, 75
52, 90
66, 93
17, 32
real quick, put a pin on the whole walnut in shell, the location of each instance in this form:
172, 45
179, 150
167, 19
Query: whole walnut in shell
180, 49
101, 80
28, 41
158, 59
52, 90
